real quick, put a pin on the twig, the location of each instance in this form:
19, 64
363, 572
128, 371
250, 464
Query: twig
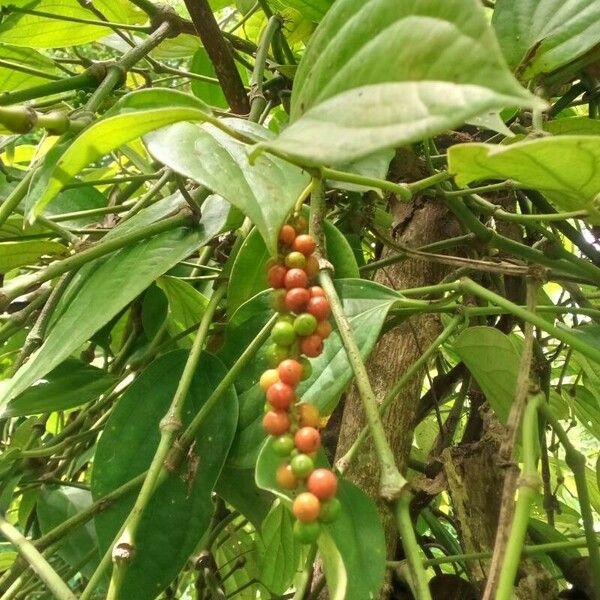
392, 481
220, 55
507, 455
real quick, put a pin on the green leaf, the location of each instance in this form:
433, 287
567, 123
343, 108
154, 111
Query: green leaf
333, 566
573, 126
365, 304
57, 504
207, 92
563, 167
493, 361
186, 303
180, 510
45, 32
17, 254
586, 407
248, 275
132, 117
71, 384
108, 286
265, 191
440, 58
539, 36
238, 488
12, 80
359, 537
279, 552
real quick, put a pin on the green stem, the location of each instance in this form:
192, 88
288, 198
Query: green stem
38, 563
85, 80
7, 64
392, 481
427, 182
14, 198
528, 490
573, 340
343, 463
112, 181
187, 437
498, 212
495, 240
257, 100
15, 288
70, 19
527, 551
123, 547
576, 461
115, 73
482, 189
402, 190
412, 551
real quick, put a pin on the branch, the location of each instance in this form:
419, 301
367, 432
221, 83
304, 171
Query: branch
220, 55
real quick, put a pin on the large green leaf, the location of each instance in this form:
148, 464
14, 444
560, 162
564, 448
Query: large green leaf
565, 167
366, 305
110, 283
11, 79
382, 73
17, 254
71, 384
265, 191
311, 9
54, 506
359, 538
493, 361
133, 116
279, 551
45, 32
180, 510
538, 36
248, 275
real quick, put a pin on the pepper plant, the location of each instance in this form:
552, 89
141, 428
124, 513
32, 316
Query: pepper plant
368, 227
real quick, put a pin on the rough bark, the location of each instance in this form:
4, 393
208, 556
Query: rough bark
472, 471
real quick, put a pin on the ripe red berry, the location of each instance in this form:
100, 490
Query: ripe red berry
287, 235
296, 299
317, 290
322, 483
295, 278
306, 507
318, 307
311, 345
280, 395
324, 329
290, 372
285, 477
276, 422
307, 440
308, 415
276, 276
304, 243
